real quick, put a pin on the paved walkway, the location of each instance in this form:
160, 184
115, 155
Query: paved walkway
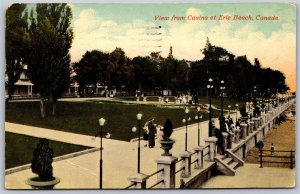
119, 158
251, 176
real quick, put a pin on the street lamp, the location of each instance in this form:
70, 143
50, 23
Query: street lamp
210, 87
255, 90
229, 106
139, 118
236, 111
222, 88
198, 117
101, 123
185, 120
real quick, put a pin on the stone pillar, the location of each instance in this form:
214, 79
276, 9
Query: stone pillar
225, 142
199, 154
236, 135
251, 126
243, 130
230, 139
256, 123
167, 163
211, 141
186, 163
139, 180
264, 117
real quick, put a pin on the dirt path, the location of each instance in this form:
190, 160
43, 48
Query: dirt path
283, 137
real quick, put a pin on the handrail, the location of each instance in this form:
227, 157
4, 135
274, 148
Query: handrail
193, 153
130, 185
194, 161
179, 160
156, 184
180, 169
158, 171
279, 151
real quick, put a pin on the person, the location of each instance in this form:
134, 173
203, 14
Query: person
220, 146
272, 149
160, 133
151, 130
182, 184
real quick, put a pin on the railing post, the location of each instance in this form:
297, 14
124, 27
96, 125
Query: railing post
291, 166
243, 130
236, 135
186, 163
256, 123
199, 154
140, 181
211, 141
225, 142
231, 139
261, 158
251, 125
168, 175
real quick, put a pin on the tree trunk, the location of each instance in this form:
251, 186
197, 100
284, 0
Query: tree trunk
53, 107
42, 108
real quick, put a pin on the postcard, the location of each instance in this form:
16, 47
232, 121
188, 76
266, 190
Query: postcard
150, 96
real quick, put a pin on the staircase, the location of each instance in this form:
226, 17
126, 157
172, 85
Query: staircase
228, 163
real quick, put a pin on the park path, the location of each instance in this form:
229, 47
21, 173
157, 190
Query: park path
119, 158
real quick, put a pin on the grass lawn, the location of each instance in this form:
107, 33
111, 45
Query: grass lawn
82, 117
19, 149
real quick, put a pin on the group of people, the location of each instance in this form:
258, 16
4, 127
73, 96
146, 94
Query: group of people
152, 130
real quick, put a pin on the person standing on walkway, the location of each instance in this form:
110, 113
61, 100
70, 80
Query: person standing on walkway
152, 131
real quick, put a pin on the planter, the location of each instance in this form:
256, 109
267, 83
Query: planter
167, 146
36, 183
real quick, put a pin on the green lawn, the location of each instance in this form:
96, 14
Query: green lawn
82, 117
19, 149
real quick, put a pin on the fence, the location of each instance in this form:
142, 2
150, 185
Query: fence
290, 158
169, 166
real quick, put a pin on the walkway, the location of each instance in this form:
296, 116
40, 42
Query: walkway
119, 158
251, 176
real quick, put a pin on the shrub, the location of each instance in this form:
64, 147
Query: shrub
41, 162
168, 130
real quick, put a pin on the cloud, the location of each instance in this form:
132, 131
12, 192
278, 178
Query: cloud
276, 50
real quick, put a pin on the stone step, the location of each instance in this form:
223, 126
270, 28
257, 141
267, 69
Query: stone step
227, 160
234, 165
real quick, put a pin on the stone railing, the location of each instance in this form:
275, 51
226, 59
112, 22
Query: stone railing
240, 142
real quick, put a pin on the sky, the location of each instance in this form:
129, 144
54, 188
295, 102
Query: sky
134, 28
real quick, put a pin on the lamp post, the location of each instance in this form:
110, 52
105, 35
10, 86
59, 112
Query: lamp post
139, 118
229, 106
101, 123
198, 117
210, 87
254, 90
236, 111
185, 120
222, 88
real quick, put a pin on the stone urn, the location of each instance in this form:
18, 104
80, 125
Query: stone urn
167, 145
37, 183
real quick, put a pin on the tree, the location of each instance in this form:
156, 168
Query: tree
17, 37
121, 69
94, 67
49, 59
145, 72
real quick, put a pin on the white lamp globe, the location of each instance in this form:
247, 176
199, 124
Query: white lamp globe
101, 121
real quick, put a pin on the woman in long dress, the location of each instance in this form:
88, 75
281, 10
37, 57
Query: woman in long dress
151, 131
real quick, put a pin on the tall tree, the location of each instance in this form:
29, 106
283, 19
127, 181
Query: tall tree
49, 59
16, 43
93, 68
